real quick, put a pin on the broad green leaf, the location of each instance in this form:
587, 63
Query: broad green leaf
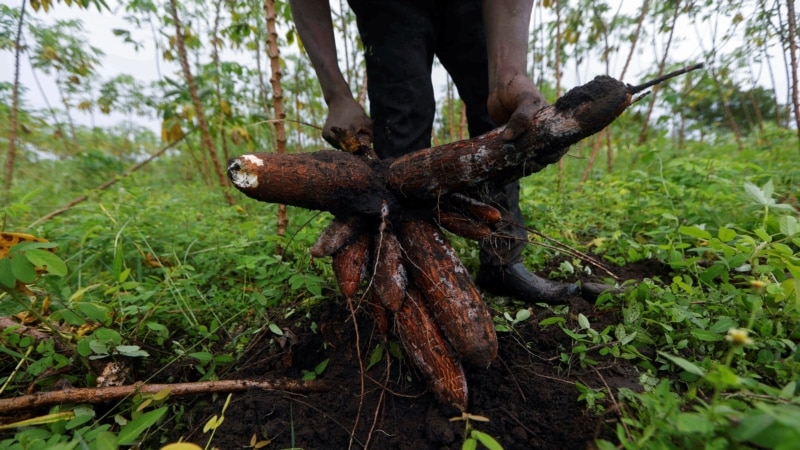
522, 315
322, 366
275, 329
107, 335
52, 262
79, 420
23, 270
84, 349
761, 233
726, 234
469, 444
95, 312
487, 441
705, 335
583, 321
201, 356
7, 278
555, 320
694, 423
106, 440
695, 232
133, 429
39, 366
375, 356
723, 325
756, 193
23, 247
788, 226
684, 364
131, 351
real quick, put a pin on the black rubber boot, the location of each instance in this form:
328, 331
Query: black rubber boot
517, 281
590, 291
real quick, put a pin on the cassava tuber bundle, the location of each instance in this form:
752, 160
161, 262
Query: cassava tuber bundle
386, 215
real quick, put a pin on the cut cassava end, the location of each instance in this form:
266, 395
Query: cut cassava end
325, 180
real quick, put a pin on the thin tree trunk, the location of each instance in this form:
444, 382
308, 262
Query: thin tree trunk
277, 99
636, 34
12, 123
297, 132
73, 133
792, 22
596, 144
205, 134
451, 111
737, 134
558, 82
215, 42
661, 66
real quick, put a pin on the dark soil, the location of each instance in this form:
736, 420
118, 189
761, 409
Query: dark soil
529, 394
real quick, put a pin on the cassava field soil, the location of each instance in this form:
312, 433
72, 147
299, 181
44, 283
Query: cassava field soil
528, 394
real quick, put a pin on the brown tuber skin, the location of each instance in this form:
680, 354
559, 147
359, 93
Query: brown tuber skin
385, 221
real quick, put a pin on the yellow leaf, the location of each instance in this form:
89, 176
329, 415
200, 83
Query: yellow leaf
182, 446
162, 394
239, 135
171, 130
187, 112
211, 425
225, 107
85, 105
41, 420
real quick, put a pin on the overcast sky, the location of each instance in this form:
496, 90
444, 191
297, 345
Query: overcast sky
121, 58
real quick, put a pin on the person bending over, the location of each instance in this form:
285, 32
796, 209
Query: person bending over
483, 45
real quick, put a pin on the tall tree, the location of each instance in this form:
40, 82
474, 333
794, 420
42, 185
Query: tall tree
205, 133
12, 134
792, 28
277, 98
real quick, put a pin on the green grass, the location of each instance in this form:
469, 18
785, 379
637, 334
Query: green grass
161, 268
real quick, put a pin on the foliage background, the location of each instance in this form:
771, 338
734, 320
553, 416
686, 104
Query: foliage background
162, 266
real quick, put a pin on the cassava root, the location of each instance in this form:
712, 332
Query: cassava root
388, 212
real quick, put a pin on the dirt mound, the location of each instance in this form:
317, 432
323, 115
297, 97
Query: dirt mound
529, 394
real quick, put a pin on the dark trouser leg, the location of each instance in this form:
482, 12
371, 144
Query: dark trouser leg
398, 39
461, 47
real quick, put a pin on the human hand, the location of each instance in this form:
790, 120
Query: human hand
346, 115
514, 101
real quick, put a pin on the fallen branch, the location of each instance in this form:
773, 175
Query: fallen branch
106, 394
36, 334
